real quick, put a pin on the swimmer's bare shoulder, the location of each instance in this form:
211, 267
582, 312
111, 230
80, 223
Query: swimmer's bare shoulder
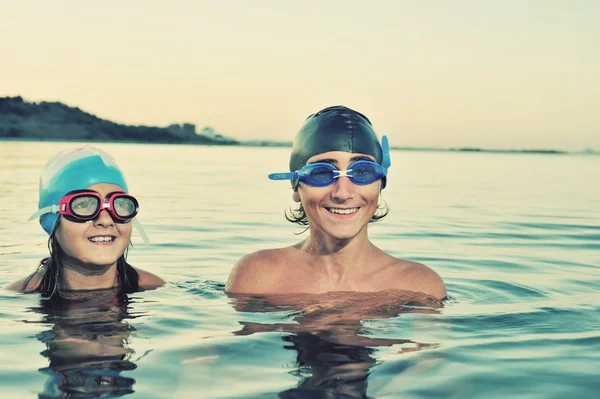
258, 272
149, 281
413, 276
34, 281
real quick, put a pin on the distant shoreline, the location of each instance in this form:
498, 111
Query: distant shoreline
487, 151
25, 121
60, 140
266, 144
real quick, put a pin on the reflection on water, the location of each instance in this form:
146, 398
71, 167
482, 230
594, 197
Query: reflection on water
334, 352
326, 368
514, 237
87, 345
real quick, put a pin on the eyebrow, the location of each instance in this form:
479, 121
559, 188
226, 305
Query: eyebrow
334, 162
111, 193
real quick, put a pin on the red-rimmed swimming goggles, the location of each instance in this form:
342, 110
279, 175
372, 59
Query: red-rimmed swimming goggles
85, 205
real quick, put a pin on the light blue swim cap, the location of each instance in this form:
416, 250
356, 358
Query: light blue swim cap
75, 169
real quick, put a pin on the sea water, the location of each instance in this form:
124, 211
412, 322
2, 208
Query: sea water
516, 238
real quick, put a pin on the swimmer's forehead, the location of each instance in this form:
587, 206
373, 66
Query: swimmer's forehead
104, 189
335, 157
115, 188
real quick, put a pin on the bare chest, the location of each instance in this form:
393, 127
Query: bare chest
310, 281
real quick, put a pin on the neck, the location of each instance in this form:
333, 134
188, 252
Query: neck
75, 275
338, 257
321, 244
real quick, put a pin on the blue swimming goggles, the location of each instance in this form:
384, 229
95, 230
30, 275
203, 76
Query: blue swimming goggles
323, 174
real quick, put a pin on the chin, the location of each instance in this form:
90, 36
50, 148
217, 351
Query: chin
102, 260
343, 233
104, 256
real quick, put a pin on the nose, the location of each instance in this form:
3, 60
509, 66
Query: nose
343, 189
104, 219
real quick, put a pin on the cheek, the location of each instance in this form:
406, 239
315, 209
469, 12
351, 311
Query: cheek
125, 230
371, 194
68, 233
307, 197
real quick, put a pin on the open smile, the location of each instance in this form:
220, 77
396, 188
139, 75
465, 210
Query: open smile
102, 239
342, 211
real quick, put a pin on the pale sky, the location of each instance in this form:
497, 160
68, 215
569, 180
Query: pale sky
492, 74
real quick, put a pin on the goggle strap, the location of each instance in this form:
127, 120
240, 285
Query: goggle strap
385, 147
283, 176
140, 230
47, 209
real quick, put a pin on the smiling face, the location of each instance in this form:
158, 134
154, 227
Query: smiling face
100, 241
342, 210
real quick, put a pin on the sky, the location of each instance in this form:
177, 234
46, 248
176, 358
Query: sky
507, 74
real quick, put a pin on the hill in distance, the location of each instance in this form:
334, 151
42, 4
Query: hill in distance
51, 121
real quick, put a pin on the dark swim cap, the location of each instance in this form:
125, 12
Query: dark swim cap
336, 128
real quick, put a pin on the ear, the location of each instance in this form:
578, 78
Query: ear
296, 196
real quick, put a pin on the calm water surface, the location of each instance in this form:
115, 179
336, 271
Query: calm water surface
516, 238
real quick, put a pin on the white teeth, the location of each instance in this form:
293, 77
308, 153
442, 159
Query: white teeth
340, 211
101, 239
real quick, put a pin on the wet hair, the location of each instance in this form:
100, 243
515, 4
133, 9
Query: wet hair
50, 269
299, 216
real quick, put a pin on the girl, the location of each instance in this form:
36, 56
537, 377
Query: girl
86, 210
